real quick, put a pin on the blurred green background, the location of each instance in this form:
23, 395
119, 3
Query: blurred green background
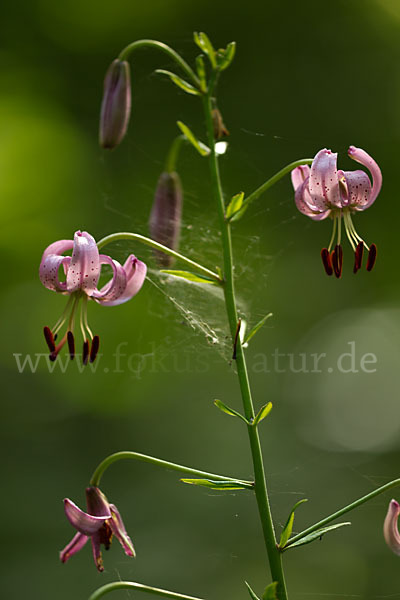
307, 75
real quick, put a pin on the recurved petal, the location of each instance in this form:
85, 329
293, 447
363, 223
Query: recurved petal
358, 189
49, 271
83, 522
299, 175
365, 159
112, 290
97, 503
323, 183
135, 271
96, 549
303, 201
390, 527
118, 529
58, 247
84, 269
76, 544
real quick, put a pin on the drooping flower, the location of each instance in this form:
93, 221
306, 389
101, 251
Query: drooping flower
322, 191
391, 528
82, 272
116, 104
165, 216
100, 523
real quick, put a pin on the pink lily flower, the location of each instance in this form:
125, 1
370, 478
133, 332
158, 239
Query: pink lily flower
390, 527
322, 191
100, 523
82, 272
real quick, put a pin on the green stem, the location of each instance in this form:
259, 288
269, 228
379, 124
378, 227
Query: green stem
125, 235
130, 585
274, 556
275, 178
125, 53
344, 510
103, 466
173, 153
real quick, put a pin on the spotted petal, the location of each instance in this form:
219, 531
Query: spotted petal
390, 527
84, 269
83, 522
135, 272
118, 529
324, 184
112, 290
365, 159
357, 189
51, 262
76, 544
299, 175
303, 201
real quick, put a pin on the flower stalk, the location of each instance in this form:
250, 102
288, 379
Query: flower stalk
274, 556
140, 587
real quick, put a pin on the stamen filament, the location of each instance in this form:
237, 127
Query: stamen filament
333, 233
60, 322
85, 321
349, 232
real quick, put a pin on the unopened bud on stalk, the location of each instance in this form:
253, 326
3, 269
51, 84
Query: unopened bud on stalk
220, 130
165, 217
116, 104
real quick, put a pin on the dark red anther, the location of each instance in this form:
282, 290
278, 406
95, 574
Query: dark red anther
85, 353
95, 348
49, 339
71, 344
326, 260
337, 260
371, 257
358, 256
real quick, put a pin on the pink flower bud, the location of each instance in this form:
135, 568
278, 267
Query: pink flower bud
165, 217
390, 527
116, 104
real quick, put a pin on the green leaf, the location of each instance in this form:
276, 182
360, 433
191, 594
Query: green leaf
234, 205
189, 276
225, 57
287, 530
201, 72
253, 596
229, 411
219, 485
203, 42
315, 535
239, 214
254, 330
181, 83
262, 413
270, 592
200, 147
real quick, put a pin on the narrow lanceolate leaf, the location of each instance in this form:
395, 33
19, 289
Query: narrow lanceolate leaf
229, 411
201, 72
189, 276
316, 535
219, 485
262, 413
225, 57
256, 328
253, 595
287, 530
270, 592
181, 83
234, 205
203, 42
200, 147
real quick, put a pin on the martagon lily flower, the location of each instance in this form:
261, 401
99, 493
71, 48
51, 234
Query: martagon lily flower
391, 528
82, 272
100, 523
322, 191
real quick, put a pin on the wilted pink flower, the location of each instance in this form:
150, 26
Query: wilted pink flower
324, 191
82, 272
100, 523
390, 527
165, 217
116, 104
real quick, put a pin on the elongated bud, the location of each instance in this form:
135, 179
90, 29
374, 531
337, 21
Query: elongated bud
220, 131
390, 527
116, 104
165, 217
